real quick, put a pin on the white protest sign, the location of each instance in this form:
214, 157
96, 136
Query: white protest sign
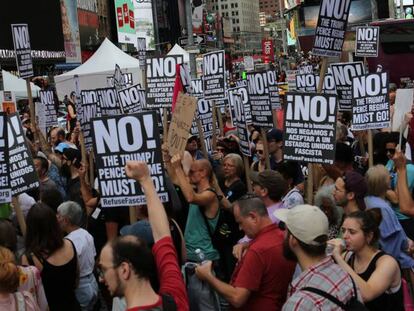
23, 176
5, 190
404, 100
90, 109
214, 75
259, 94
237, 107
108, 101
118, 139
40, 110
132, 99
367, 38
161, 73
343, 74
370, 102
310, 128
331, 28
21, 41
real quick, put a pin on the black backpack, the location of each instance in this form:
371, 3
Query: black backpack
352, 304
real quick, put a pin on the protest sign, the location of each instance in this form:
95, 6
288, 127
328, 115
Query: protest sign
160, 80
222, 103
119, 80
213, 75
48, 101
142, 51
237, 107
197, 87
21, 41
305, 69
90, 109
331, 27
310, 128
291, 79
404, 100
5, 190
181, 122
118, 139
370, 102
108, 101
258, 86
132, 99
41, 117
23, 176
306, 82
204, 114
367, 38
343, 74
244, 93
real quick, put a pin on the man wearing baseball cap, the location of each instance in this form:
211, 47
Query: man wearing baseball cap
305, 240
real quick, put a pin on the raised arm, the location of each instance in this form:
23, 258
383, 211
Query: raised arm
405, 200
156, 214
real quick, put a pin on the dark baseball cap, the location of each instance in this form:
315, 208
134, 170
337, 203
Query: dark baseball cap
274, 134
356, 183
72, 153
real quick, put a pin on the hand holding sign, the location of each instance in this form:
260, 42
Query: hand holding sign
176, 162
137, 170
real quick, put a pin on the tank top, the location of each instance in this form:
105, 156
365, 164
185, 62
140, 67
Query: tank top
59, 283
386, 301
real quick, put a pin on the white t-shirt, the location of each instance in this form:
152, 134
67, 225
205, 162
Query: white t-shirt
85, 248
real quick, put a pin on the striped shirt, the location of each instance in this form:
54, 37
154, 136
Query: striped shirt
326, 276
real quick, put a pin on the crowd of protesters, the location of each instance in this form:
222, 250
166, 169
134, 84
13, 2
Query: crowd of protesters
234, 235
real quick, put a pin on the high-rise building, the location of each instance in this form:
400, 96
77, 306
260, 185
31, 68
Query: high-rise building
269, 7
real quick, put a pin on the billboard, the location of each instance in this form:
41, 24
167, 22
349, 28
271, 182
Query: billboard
125, 21
144, 22
70, 27
44, 21
88, 26
268, 52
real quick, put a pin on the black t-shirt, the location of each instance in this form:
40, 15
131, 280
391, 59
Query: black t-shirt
235, 191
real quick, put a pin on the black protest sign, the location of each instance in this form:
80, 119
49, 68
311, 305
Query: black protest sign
214, 75
237, 107
118, 139
90, 109
367, 38
258, 86
204, 113
273, 90
48, 101
370, 102
222, 103
142, 51
160, 80
21, 41
108, 101
306, 82
331, 28
310, 128
5, 190
23, 176
304, 69
343, 74
119, 79
244, 93
197, 87
132, 99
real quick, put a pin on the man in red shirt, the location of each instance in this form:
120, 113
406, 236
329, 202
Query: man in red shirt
127, 265
262, 276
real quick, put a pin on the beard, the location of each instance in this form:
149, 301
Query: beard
287, 252
65, 171
119, 291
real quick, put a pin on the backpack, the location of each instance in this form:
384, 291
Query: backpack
352, 304
168, 303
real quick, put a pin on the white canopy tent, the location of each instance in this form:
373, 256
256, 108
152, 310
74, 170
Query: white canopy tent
94, 73
17, 85
178, 50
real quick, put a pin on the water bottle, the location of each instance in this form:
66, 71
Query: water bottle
329, 248
200, 256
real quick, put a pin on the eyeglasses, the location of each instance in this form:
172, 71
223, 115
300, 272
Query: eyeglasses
390, 150
101, 271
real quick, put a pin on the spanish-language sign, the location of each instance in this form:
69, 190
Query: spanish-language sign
118, 139
23, 176
132, 99
21, 41
258, 86
213, 75
160, 80
237, 107
142, 51
331, 28
367, 38
310, 128
343, 74
5, 190
90, 109
108, 101
244, 93
370, 102
48, 101
181, 122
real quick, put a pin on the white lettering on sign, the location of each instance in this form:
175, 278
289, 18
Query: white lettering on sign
213, 63
335, 8
161, 67
311, 108
372, 85
21, 35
